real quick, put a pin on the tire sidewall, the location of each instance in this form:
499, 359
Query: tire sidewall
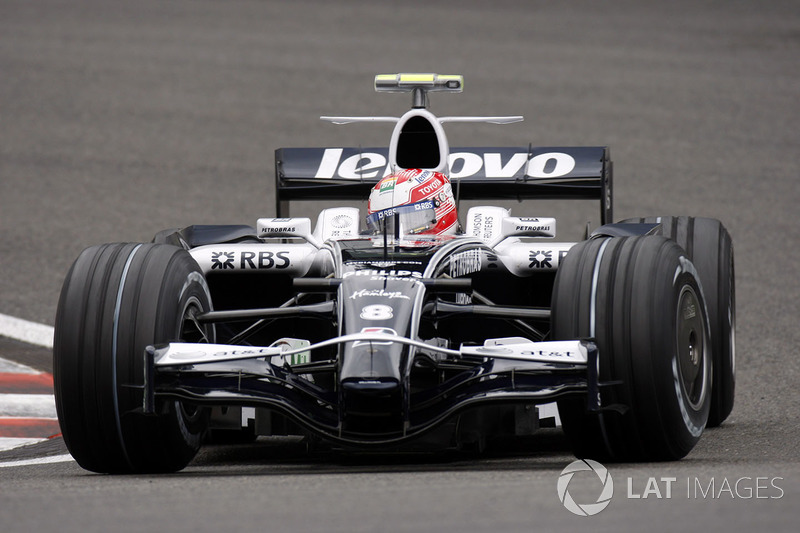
625, 293
686, 419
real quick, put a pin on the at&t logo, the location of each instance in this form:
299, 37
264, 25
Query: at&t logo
585, 509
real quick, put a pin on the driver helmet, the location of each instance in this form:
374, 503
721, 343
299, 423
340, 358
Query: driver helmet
421, 200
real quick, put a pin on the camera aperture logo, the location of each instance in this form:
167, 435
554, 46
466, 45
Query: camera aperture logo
585, 509
585, 488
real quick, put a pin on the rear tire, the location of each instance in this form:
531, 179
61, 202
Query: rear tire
710, 248
117, 299
638, 298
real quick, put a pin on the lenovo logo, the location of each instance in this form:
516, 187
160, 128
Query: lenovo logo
372, 165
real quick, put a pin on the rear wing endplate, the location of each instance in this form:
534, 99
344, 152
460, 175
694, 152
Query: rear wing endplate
482, 173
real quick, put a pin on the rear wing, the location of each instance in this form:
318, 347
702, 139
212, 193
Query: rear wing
489, 173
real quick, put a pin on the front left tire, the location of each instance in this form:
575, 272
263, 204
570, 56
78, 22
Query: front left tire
710, 248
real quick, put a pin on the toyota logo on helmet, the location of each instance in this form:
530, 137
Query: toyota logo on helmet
413, 186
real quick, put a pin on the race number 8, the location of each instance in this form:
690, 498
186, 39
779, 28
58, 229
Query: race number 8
376, 312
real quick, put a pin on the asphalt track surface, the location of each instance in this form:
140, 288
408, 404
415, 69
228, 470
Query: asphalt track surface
118, 119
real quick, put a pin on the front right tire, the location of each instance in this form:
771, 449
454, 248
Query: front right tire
639, 299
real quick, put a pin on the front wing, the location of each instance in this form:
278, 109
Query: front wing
498, 372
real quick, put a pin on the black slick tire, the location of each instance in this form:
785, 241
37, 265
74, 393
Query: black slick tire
710, 248
639, 299
116, 300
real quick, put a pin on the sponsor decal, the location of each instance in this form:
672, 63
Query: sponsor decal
464, 263
424, 176
547, 165
536, 355
492, 259
199, 354
341, 221
383, 331
279, 229
265, 259
541, 259
483, 226
384, 274
292, 344
419, 206
549, 354
369, 165
428, 189
250, 260
387, 185
222, 260
533, 228
378, 293
384, 264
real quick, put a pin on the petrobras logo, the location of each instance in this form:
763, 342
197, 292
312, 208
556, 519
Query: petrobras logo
388, 185
372, 165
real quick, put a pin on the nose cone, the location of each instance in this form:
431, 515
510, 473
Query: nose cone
376, 305
372, 372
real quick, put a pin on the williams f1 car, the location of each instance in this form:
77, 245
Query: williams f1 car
378, 331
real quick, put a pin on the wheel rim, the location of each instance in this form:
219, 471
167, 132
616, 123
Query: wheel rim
192, 331
692, 348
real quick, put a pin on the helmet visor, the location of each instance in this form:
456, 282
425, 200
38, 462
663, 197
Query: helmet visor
411, 219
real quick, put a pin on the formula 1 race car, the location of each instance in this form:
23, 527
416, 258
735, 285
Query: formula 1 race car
401, 329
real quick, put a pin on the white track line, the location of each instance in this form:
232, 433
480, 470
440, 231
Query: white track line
39, 461
9, 443
11, 367
24, 405
28, 405
26, 331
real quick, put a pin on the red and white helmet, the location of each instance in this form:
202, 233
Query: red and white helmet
422, 199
